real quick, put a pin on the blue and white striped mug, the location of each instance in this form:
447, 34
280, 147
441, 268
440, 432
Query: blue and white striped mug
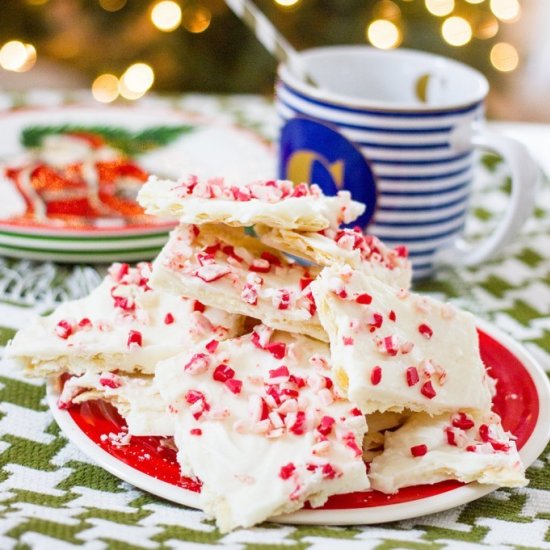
399, 129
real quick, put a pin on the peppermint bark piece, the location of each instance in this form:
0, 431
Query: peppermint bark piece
466, 446
344, 246
122, 325
394, 350
259, 422
224, 268
275, 203
133, 395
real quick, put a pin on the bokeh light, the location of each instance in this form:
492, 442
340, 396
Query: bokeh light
504, 57
386, 9
383, 34
287, 3
440, 7
166, 15
197, 19
105, 88
112, 5
137, 79
456, 31
506, 10
486, 27
17, 56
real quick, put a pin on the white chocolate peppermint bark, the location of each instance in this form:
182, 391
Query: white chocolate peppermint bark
466, 446
344, 246
395, 350
275, 203
224, 268
259, 422
122, 325
133, 395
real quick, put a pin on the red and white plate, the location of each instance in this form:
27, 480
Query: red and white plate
522, 400
69, 176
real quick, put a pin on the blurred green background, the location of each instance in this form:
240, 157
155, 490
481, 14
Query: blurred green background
199, 45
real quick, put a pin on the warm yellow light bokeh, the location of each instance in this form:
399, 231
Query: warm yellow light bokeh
137, 79
475, 1
105, 88
16, 56
386, 9
383, 34
504, 57
197, 20
112, 5
486, 27
440, 7
456, 31
287, 3
506, 10
166, 15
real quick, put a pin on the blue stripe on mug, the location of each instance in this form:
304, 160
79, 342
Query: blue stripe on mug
438, 191
408, 224
383, 113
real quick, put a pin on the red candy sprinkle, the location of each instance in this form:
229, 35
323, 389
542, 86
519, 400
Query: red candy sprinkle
463, 421
110, 381
212, 272
451, 437
198, 306
283, 299
278, 372
195, 431
277, 349
402, 251
392, 316
364, 299
286, 471
212, 346
168, 319
348, 340
271, 258
134, 337
259, 266
85, 323
425, 330
355, 412
223, 373
375, 375
235, 386
305, 282
197, 364
419, 450
63, 329
298, 427
412, 376
325, 426
427, 390
328, 471
484, 433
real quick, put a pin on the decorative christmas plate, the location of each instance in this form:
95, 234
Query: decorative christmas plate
522, 400
69, 176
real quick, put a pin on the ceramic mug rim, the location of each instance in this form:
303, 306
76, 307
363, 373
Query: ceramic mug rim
351, 102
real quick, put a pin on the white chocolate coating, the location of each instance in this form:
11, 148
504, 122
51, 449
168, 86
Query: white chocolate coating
272, 436
273, 203
122, 325
395, 350
473, 454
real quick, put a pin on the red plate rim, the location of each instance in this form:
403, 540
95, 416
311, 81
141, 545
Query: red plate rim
523, 400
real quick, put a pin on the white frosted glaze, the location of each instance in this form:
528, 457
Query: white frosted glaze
277, 294
494, 462
273, 203
134, 396
102, 342
371, 353
243, 450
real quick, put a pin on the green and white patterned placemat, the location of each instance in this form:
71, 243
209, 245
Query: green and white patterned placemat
53, 497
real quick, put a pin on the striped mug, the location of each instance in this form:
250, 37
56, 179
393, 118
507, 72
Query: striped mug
399, 130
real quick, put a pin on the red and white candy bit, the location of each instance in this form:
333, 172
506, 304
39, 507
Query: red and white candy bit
287, 470
325, 425
197, 402
223, 373
118, 271
350, 442
212, 272
337, 286
419, 450
64, 329
134, 339
425, 330
198, 364
427, 390
85, 324
260, 265
195, 432
282, 299
412, 376
212, 346
363, 298
462, 420
168, 319
110, 380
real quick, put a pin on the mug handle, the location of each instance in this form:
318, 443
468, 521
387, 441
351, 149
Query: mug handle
525, 176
